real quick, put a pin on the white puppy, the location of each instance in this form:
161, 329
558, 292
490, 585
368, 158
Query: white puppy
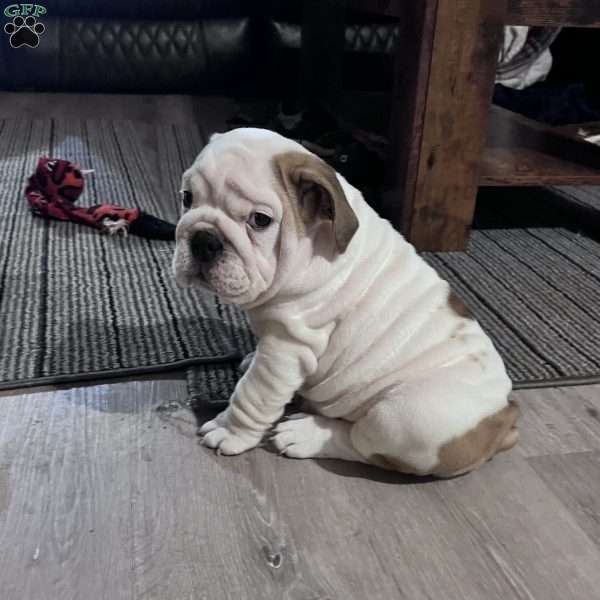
347, 315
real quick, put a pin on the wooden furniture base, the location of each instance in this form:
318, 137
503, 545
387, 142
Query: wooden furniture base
523, 152
445, 76
446, 63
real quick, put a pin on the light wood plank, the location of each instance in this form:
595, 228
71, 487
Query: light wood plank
559, 420
101, 496
112, 499
522, 528
575, 479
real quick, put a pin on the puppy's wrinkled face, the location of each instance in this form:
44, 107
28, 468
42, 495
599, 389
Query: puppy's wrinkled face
248, 200
227, 235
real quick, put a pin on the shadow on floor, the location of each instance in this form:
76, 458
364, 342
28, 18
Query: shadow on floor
507, 208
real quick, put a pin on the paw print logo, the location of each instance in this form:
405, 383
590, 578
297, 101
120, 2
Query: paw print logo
24, 31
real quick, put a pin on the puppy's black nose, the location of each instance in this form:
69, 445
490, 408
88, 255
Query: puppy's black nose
205, 246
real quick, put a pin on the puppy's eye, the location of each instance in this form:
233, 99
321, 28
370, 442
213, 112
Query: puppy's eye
52, 164
259, 220
186, 198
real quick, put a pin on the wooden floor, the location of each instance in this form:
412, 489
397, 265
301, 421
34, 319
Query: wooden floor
104, 497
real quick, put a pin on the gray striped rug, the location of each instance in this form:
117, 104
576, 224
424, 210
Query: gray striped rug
76, 305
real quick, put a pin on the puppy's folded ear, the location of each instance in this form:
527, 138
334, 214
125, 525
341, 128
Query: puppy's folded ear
315, 193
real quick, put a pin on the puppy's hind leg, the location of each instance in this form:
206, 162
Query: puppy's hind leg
459, 430
312, 436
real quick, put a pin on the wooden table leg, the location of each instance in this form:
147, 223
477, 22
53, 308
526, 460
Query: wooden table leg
445, 74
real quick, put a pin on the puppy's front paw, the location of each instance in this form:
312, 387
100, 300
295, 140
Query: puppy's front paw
300, 436
219, 435
312, 436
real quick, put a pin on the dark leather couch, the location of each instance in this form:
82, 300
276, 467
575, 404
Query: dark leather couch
179, 46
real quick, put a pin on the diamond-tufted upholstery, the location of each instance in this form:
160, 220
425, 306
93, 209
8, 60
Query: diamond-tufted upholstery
153, 56
375, 38
182, 46
368, 47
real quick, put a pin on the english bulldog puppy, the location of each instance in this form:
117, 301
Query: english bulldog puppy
394, 369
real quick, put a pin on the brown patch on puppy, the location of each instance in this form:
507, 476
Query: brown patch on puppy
458, 306
292, 216
494, 434
312, 191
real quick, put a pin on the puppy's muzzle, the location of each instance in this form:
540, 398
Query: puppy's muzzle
206, 246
